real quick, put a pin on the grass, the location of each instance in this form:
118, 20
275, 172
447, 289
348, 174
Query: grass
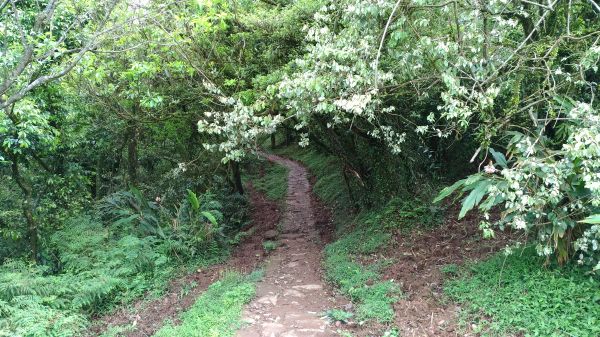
517, 295
268, 178
339, 315
362, 282
218, 312
269, 246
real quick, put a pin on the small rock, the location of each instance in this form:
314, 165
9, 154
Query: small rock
270, 234
309, 287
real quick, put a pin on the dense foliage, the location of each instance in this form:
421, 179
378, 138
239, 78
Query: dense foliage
514, 81
128, 120
524, 299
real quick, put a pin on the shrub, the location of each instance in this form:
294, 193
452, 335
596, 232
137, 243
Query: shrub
547, 186
101, 264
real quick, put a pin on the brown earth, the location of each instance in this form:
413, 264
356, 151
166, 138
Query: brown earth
418, 259
146, 317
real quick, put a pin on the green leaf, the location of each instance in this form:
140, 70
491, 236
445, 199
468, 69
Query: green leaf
449, 190
126, 220
592, 219
193, 199
566, 102
499, 158
474, 198
210, 217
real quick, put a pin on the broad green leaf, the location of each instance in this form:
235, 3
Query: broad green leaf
592, 219
449, 190
499, 158
193, 199
210, 217
566, 102
126, 220
474, 198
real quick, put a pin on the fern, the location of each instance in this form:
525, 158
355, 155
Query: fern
106, 260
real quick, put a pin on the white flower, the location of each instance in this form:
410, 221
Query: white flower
489, 169
519, 223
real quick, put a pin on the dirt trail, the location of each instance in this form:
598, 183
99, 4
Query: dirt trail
292, 296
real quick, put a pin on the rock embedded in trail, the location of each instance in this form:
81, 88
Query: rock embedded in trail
270, 234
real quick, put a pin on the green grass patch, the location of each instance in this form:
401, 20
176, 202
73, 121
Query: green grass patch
218, 312
270, 246
362, 283
269, 178
516, 294
407, 214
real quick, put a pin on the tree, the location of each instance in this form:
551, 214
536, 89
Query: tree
42, 41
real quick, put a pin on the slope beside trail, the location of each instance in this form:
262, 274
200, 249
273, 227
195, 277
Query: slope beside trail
292, 296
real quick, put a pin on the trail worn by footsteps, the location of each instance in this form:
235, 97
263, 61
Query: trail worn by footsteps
292, 296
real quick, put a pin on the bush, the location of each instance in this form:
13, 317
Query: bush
548, 186
101, 263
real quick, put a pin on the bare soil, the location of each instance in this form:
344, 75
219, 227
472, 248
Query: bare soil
419, 258
146, 317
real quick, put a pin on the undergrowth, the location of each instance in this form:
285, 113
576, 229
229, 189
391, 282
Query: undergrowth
514, 294
217, 313
129, 248
268, 178
360, 281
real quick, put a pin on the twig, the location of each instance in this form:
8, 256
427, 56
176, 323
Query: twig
387, 26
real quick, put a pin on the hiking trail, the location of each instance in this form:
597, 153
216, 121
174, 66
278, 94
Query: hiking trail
292, 297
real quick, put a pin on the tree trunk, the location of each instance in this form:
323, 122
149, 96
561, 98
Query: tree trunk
132, 157
27, 209
273, 141
237, 177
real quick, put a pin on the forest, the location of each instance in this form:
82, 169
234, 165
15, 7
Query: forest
220, 168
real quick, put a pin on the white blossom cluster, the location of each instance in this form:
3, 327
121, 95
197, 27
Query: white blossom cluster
547, 191
337, 77
236, 129
589, 248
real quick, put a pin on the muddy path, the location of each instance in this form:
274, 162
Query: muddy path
143, 318
293, 296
